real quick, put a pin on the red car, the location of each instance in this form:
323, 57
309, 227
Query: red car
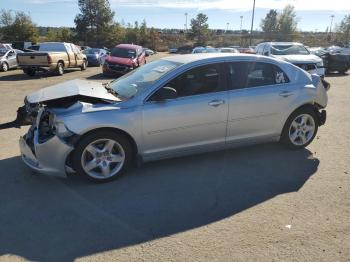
123, 59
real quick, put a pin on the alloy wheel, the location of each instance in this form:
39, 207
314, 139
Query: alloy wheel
103, 158
302, 129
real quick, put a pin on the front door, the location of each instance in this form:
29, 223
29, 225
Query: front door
195, 120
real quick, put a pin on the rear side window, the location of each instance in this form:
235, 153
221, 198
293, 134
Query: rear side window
255, 74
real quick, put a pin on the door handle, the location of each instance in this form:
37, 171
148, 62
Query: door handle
216, 103
286, 94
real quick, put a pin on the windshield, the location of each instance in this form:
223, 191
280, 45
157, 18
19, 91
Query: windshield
92, 51
122, 52
134, 82
289, 50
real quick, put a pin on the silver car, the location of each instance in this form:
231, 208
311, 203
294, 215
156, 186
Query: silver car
8, 59
171, 107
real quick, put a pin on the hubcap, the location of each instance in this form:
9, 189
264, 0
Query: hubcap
302, 129
4, 67
103, 158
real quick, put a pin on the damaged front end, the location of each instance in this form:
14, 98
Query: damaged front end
46, 145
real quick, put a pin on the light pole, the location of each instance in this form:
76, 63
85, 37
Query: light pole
240, 28
251, 28
227, 25
330, 28
186, 22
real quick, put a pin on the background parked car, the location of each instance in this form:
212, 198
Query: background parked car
148, 51
5, 46
173, 50
8, 59
201, 49
21, 45
124, 58
228, 50
332, 61
95, 56
52, 56
295, 53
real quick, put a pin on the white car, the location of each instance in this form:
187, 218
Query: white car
294, 53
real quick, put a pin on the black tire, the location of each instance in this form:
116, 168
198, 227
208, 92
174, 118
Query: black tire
60, 69
29, 72
285, 137
4, 67
84, 65
89, 138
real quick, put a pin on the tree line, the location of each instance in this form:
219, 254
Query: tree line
95, 25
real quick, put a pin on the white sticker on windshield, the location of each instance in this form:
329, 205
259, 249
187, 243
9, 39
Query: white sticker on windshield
280, 78
161, 69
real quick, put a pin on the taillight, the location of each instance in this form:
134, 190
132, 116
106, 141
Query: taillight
49, 59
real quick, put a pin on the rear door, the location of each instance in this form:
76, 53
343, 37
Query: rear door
259, 95
71, 55
196, 119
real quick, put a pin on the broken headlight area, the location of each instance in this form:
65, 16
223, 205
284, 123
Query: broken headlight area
49, 126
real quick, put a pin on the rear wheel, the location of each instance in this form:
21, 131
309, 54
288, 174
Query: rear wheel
60, 68
4, 67
300, 128
102, 156
84, 65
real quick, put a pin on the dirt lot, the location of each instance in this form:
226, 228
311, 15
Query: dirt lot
261, 203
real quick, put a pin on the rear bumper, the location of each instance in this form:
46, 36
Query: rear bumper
40, 67
47, 158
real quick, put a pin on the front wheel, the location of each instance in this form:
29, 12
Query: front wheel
4, 67
102, 156
300, 128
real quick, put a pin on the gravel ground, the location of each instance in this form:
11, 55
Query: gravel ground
260, 203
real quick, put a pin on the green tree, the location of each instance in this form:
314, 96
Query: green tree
94, 21
50, 35
344, 29
200, 28
287, 23
269, 24
17, 26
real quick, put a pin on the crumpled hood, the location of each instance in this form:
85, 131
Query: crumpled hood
70, 89
299, 59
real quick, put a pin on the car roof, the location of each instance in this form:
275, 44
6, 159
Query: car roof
129, 46
189, 58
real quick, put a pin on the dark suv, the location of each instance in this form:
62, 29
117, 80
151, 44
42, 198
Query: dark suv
123, 59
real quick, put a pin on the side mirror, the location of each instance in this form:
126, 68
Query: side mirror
165, 93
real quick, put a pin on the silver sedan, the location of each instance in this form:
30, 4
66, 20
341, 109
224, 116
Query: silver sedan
171, 107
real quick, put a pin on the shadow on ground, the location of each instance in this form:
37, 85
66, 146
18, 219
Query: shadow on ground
47, 219
101, 77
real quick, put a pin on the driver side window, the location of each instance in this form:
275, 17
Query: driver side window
199, 80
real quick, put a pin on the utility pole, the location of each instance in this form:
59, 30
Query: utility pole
240, 28
330, 28
227, 25
186, 14
251, 28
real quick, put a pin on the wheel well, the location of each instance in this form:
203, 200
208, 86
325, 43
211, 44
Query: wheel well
60, 61
76, 140
116, 130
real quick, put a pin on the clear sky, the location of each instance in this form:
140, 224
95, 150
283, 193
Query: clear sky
312, 14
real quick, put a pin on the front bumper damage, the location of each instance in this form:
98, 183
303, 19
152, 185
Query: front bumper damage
47, 157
